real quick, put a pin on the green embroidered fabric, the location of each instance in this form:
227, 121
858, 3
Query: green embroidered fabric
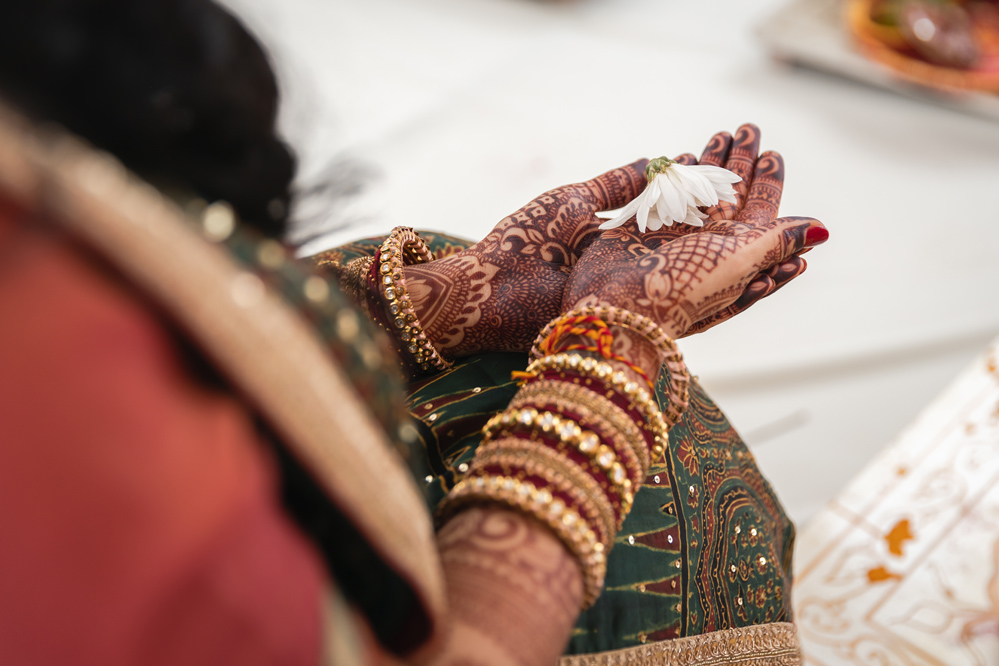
707, 545
368, 359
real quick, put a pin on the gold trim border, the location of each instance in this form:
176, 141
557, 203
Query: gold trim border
773, 644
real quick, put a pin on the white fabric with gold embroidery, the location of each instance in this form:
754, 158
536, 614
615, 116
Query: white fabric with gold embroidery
903, 566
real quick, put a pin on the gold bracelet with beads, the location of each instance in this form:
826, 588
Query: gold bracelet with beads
679, 377
566, 522
541, 392
522, 458
569, 433
587, 366
625, 437
404, 247
353, 278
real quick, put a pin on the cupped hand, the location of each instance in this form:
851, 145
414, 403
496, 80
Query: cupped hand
497, 294
691, 278
758, 197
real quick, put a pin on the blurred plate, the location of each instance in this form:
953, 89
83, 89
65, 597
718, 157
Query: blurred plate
815, 33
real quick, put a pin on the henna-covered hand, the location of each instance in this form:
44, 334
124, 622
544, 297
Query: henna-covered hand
690, 278
497, 294
758, 197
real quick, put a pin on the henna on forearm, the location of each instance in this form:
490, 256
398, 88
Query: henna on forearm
515, 590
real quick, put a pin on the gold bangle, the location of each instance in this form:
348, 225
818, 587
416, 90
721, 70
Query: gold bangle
513, 454
605, 372
352, 280
570, 528
679, 382
405, 247
605, 417
569, 433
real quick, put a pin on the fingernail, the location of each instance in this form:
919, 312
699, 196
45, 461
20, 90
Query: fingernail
816, 236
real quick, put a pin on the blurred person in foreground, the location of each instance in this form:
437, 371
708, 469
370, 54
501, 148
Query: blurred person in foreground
206, 451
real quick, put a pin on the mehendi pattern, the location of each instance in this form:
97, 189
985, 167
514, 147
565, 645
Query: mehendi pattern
704, 506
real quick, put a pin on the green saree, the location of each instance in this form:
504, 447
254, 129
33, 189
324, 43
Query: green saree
706, 548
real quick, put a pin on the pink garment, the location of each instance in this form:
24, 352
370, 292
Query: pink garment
139, 517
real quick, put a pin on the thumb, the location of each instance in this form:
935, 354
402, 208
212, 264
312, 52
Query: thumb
787, 237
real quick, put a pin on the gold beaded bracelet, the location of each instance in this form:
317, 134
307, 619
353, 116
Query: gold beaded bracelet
352, 280
512, 454
569, 433
570, 528
679, 382
607, 418
404, 247
593, 407
588, 366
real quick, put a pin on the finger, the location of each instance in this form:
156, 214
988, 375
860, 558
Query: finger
758, 289
780, 240
615, 188
769, 283
687, 159
783, 273
763, 197
741, 161
716, 152
761, 287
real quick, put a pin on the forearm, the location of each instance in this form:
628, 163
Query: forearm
514, 589
558, 471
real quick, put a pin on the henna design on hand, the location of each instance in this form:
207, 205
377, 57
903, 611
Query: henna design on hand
738, 155
687, 278
497, 294
684, 280
515, 590
761, 287
472, 302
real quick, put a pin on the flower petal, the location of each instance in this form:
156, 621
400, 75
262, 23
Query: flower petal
642, 216
716, 175
693, 218
662, 211
697, 184
727, 195
674, 197
626, 213
721, 180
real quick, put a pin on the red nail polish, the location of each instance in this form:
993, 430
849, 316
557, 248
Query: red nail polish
816, 235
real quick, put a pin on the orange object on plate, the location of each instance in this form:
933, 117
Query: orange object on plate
890, 47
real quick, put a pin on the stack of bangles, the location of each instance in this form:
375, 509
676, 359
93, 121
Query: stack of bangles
577, 440
377, 284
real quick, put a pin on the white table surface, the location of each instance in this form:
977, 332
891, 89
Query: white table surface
467, 109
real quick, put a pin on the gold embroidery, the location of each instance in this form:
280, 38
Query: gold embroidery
773, 644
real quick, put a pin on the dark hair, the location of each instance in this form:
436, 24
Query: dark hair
177, 89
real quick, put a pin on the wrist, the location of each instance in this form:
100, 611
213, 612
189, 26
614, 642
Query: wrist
392, 305
432, 289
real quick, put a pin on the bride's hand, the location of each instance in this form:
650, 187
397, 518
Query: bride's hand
758, 197
497, 294
683, 282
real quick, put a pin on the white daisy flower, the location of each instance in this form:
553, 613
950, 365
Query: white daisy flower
674, 193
